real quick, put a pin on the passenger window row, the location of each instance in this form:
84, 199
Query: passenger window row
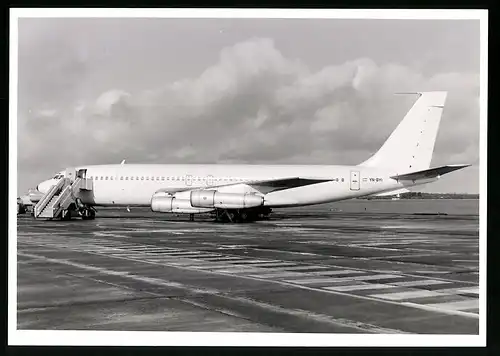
162, 178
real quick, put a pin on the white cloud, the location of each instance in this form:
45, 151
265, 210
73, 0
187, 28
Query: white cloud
46, 112
253, 105
107, 100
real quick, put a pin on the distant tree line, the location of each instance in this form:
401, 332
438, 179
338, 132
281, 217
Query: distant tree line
420, 195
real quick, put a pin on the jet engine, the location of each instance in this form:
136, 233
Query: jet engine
214, 199
166, 203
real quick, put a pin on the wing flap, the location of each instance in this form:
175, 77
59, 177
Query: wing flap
267, 186
430, 173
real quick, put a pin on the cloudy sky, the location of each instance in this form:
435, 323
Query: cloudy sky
94, 91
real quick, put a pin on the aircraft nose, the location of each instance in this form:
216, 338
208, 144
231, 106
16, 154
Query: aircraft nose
44, 187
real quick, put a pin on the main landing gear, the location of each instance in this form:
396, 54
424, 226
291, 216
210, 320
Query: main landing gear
241, 215
88, 213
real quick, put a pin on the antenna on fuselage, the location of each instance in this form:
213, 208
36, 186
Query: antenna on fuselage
409, 93
123, 162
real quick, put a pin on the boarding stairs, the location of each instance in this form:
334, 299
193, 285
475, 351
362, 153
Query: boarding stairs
58, 200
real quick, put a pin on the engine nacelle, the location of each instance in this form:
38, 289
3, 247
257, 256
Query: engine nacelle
214, 199
165, 203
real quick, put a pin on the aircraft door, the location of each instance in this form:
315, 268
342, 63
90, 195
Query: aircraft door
70, 173
189, 179
355, 180
82, 173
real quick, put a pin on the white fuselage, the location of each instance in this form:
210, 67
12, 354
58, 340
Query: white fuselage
135, 184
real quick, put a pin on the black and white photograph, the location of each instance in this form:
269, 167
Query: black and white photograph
247, 177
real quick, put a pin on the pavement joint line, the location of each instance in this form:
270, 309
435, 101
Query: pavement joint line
218, 310
339, 321
82, 303
294, 312
363, 297
400, 256
371, 270
439, 310
341, 267
351, 257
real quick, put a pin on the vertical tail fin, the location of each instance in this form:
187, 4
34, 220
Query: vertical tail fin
410, 146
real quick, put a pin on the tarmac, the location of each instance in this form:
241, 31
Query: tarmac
300, 271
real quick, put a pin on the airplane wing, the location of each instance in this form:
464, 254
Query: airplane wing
263, 186
430, 173
267, 186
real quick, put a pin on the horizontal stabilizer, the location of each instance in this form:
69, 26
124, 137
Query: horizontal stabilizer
430, 173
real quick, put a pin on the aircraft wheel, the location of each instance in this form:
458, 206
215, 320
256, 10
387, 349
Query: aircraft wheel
231, 215
222, 219
220, 216
244, 216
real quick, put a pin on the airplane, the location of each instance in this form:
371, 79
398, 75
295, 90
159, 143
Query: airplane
26, 202
238, 193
